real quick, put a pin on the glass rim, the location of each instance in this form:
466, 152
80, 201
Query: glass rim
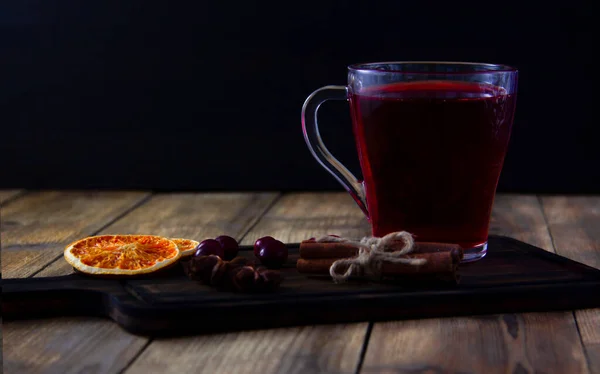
487, 68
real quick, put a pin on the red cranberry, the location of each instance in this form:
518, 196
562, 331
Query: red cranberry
209, 247
230, 246
261, 242
272, 254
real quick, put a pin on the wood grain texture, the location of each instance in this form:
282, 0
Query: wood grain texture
313, 349
526, 343
68, 345
331, 349
520, 217
511, 343
7, 195
36, 227
588, 321
196, 216
299, 216
574, 224
98, 345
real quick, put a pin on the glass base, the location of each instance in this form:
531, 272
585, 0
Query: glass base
475, 253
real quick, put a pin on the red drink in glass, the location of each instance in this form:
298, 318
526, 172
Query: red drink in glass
431, 139
431, 153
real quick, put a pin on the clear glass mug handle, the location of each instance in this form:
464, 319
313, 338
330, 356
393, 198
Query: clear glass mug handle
315, 144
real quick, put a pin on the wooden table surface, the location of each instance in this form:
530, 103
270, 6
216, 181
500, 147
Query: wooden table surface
37, 225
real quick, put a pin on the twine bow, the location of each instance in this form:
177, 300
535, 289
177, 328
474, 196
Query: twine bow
372, 252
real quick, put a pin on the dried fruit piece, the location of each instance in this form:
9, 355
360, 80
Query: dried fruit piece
237, 275
243, 278
240, 261
202, 267
271, 279
121, 254
187, 247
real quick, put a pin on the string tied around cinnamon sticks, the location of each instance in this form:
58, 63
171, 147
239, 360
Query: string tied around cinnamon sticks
372, 252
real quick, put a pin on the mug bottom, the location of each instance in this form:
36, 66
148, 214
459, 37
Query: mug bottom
475, 253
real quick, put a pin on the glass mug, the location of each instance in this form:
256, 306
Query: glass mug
431, 139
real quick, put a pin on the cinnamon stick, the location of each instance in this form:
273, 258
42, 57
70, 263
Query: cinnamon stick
436, 263
316, 265
310, 249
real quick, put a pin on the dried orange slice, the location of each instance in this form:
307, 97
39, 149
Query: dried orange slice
186, 246
121, 254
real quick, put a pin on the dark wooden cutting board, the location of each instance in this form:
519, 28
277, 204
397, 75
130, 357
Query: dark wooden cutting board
513, 277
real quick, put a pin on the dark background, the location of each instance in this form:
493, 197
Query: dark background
203, 95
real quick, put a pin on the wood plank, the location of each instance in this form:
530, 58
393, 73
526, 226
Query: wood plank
68, 345
36, 228
574, 224
524, 343
312, 349
100, 346
331, 349
588, 321
7, 195
196, 216
520, 217
299, 216
511, 343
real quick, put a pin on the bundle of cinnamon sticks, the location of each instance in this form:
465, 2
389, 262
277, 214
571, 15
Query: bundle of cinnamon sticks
441, 259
